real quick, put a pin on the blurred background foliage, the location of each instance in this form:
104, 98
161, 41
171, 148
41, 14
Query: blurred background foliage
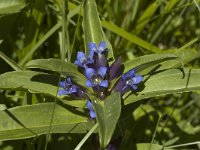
32, 29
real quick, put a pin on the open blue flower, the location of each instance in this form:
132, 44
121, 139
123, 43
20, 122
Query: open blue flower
82, 61
68, 87
96, 78
90, 107
127, 82
131, 79
100, 49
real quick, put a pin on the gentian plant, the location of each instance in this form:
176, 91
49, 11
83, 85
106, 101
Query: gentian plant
99, 75
92, 99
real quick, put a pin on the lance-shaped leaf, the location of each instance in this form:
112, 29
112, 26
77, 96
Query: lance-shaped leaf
146, 63
108, 112
59, 66
167, 82
33, 120
92, 27
35, 82
11, 6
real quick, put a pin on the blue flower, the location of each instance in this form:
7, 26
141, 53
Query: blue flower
71, 89
68, 87
131, 79
100, 49
90, 107
96, 78
128, 82
82, 61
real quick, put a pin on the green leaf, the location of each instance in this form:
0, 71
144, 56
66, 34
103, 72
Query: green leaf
146, 16
92, 27
21, 122
59, 66
35, 82
126, 35
9, 61
108, 112
144, 62
11, 6
167, 82
149, 146
35, 47
130, 37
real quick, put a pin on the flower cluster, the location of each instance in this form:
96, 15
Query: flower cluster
99, 75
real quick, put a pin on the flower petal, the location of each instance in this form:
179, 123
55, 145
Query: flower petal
124, 77
81, 59
104, 83
73, 89
138, 79
80, 56
134, 87
92, 114
68, 81
89, 83
119, 86
62, 84
89, 105
130, 73
102, 71
89, 72
101, 47
91, 57
92, 47
115, 68
62, 92
76, 62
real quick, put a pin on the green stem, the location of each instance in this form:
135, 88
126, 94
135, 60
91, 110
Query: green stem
86, 137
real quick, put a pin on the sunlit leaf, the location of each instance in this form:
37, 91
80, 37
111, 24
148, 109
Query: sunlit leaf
11, 6
108, 112
31, 121
92, 26
143, 62
59, 66
146, 63
9, 61
35, 82
167, 82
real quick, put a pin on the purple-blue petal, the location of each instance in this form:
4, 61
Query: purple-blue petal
130, 73
124, 77
134, 87
89, 105
92, 47
119, 86
104, 83
62, 84
92, 114
89, 83
115, 68
76, 62
62, 92
102, 71
138, 79
91, 56
101, 47
73, 89
68, 81
89, 72
80, 56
